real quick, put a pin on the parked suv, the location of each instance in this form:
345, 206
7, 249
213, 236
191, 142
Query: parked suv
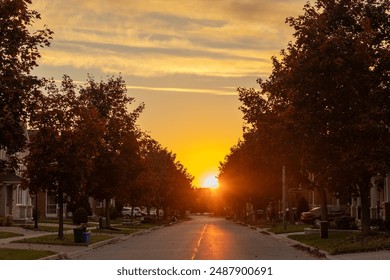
314, 215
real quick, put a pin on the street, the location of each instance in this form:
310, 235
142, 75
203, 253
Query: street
201, 238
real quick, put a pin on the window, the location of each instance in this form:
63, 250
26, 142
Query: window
51, 206
99, 203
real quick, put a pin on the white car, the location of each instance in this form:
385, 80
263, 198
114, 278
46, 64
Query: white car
153, 212
137, 212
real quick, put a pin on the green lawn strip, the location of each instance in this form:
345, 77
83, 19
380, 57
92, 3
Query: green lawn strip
23, 254
5, 234
68, 240
53, 228
54, 221
345, 242
278, 229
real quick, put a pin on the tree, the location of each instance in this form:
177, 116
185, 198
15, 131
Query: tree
329, 94
19, 51
130, 168
249, 174
112, 104
65, 145
165, 179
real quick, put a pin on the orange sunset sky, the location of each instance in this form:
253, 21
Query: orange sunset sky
183, 59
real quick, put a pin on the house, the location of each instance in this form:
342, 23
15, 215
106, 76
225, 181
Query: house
14, 200
379, 200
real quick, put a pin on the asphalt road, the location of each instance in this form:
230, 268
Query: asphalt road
201, 238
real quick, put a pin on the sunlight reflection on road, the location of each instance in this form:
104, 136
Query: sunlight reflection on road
214, 243
196, 249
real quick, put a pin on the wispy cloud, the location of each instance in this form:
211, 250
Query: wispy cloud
154, 38
222, 91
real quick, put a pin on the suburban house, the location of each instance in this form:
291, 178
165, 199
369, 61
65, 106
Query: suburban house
379, 199
14, 200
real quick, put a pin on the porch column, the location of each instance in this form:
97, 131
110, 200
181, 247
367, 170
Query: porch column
354, 207
374, 202
386, 190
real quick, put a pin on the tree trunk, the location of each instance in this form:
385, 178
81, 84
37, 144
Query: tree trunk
324, 204
324, 214
60, 198
364, 190
36, 214
108, 206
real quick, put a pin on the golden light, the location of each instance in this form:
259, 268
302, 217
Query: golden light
210, 182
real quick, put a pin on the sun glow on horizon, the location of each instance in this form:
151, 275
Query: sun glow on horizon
210, 182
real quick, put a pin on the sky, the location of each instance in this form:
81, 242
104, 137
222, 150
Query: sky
183, 59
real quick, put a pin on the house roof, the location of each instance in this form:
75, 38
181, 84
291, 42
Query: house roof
9, 178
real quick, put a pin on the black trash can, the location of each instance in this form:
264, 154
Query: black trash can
78, 235
324, 229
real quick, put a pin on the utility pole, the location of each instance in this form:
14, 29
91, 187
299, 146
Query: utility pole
284, 197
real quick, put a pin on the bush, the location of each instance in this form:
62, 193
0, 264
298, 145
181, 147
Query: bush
2, 221
6, 221
9, 221
80, 203
380, 224
345, 222
80, 216
113, 213
149, 220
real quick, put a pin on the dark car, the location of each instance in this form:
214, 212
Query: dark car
314, 215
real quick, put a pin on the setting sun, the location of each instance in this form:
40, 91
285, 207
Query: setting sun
210, 182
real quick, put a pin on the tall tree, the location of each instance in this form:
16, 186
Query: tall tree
329, 93
112, 104
19, 51
68, 139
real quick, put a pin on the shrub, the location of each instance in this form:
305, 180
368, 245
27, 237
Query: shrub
80, 216
113, 213
379, 224
80, 203
345, 222
9, 221
2, 221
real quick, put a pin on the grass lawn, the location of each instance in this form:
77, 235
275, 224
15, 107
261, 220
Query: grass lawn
68, 239
278, 229
345, 242
23, 254
4, 234
53, 228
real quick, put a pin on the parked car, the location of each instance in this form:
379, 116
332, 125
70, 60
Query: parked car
314, 215
137, 212
153, 212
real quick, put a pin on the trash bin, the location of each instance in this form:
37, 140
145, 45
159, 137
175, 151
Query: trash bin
86, 237
78, 235
102, 223
324, 225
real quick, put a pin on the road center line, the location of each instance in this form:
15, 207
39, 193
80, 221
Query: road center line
196, 249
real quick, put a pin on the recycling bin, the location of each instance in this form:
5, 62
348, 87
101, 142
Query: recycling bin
86, 237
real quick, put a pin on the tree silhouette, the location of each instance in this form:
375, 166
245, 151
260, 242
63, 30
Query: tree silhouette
65, 145
327, 96
19, 51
